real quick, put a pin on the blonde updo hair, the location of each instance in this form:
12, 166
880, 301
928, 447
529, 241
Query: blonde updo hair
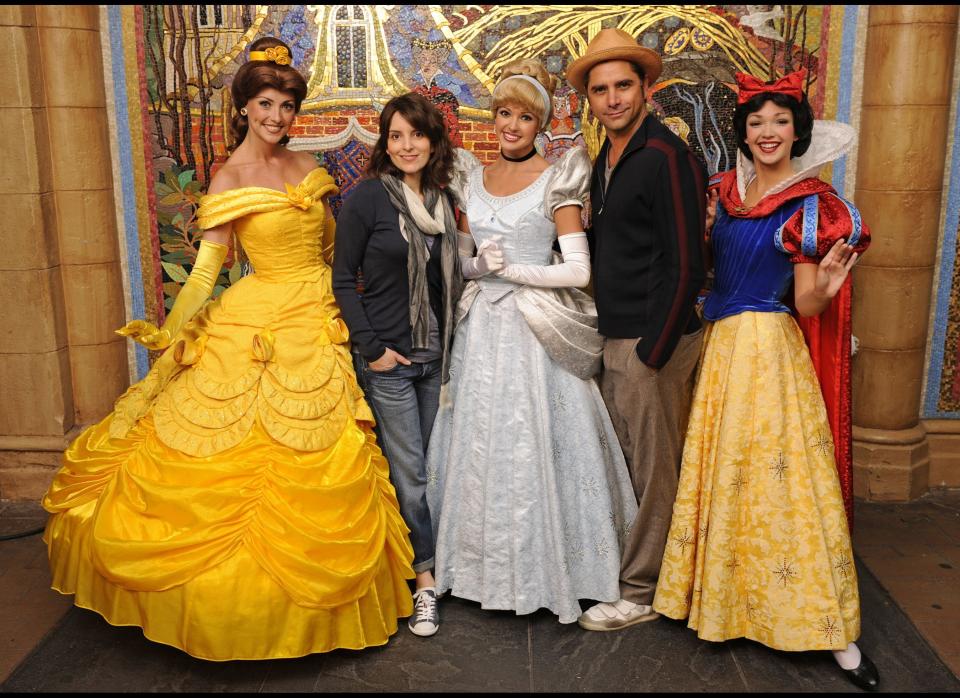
522, 93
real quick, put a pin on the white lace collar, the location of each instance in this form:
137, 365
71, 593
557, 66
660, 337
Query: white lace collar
830, 140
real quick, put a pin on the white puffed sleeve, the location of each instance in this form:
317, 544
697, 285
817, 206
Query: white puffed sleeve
570, 183
464, 162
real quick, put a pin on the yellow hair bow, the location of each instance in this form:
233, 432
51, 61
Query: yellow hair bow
276, 54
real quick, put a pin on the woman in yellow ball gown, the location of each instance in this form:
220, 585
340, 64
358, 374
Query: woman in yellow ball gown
235, 504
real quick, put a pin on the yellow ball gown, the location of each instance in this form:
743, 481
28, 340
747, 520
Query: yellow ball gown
759, 544
235, 503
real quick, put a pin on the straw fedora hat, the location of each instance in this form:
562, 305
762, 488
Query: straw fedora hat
613, 45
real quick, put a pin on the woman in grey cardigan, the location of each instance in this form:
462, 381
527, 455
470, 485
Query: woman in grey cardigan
396, 236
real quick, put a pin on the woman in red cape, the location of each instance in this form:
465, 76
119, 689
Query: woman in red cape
759, 543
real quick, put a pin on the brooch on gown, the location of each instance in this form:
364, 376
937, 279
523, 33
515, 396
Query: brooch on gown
298, 197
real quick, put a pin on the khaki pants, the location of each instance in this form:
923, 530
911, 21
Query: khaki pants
649, 410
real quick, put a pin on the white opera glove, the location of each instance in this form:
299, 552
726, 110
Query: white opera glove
489, 256
573, 273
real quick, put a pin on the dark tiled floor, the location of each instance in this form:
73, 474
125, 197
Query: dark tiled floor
491, 652
914, 550
28, 608
484, 651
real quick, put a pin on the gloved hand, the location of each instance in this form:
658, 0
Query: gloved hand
191, 298
489, 256
574, 272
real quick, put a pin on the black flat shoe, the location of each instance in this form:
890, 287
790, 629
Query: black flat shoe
864, 676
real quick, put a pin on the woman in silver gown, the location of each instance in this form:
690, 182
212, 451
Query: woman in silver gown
529, 487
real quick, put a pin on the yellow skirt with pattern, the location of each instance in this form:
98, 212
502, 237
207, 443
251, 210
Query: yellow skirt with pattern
235, 503
758, 545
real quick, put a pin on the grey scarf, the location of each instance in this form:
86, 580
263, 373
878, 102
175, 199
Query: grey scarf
432, 216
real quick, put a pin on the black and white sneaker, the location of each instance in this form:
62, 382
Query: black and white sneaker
425, 620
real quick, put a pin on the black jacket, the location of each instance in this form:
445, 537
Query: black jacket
369, 241
646, 241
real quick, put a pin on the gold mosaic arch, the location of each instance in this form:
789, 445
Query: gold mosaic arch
261, 14
574, 27
382, 78
463, 53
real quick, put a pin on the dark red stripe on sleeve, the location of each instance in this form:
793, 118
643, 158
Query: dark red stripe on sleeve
680, 231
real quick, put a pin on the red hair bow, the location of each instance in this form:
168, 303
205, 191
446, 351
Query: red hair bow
790, 85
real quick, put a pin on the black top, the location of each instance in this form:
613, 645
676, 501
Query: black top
369, 241
646, 241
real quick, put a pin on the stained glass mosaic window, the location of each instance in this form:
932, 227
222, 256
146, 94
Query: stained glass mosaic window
350, 33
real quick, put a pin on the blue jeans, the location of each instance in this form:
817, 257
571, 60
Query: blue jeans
404, 401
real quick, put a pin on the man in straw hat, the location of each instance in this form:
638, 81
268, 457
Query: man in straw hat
648, 196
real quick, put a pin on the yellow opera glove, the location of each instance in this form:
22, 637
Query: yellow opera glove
191, 298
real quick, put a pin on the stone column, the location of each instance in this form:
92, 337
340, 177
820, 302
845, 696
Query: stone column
61, 366
908, 71
82, 185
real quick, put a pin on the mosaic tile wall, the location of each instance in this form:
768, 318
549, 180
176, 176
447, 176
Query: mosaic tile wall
170, 69
942, 386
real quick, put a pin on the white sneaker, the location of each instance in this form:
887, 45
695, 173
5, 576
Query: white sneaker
425, 620
613, 616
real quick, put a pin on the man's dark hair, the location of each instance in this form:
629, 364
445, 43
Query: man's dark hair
636, 68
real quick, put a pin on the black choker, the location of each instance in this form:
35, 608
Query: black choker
533, 151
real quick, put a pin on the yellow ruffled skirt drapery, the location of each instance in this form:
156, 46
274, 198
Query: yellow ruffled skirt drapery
235, 504
758, 545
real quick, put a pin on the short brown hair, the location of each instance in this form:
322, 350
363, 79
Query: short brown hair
255, 76
423, 116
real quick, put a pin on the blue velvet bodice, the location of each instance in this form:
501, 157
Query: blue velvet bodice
750, 273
